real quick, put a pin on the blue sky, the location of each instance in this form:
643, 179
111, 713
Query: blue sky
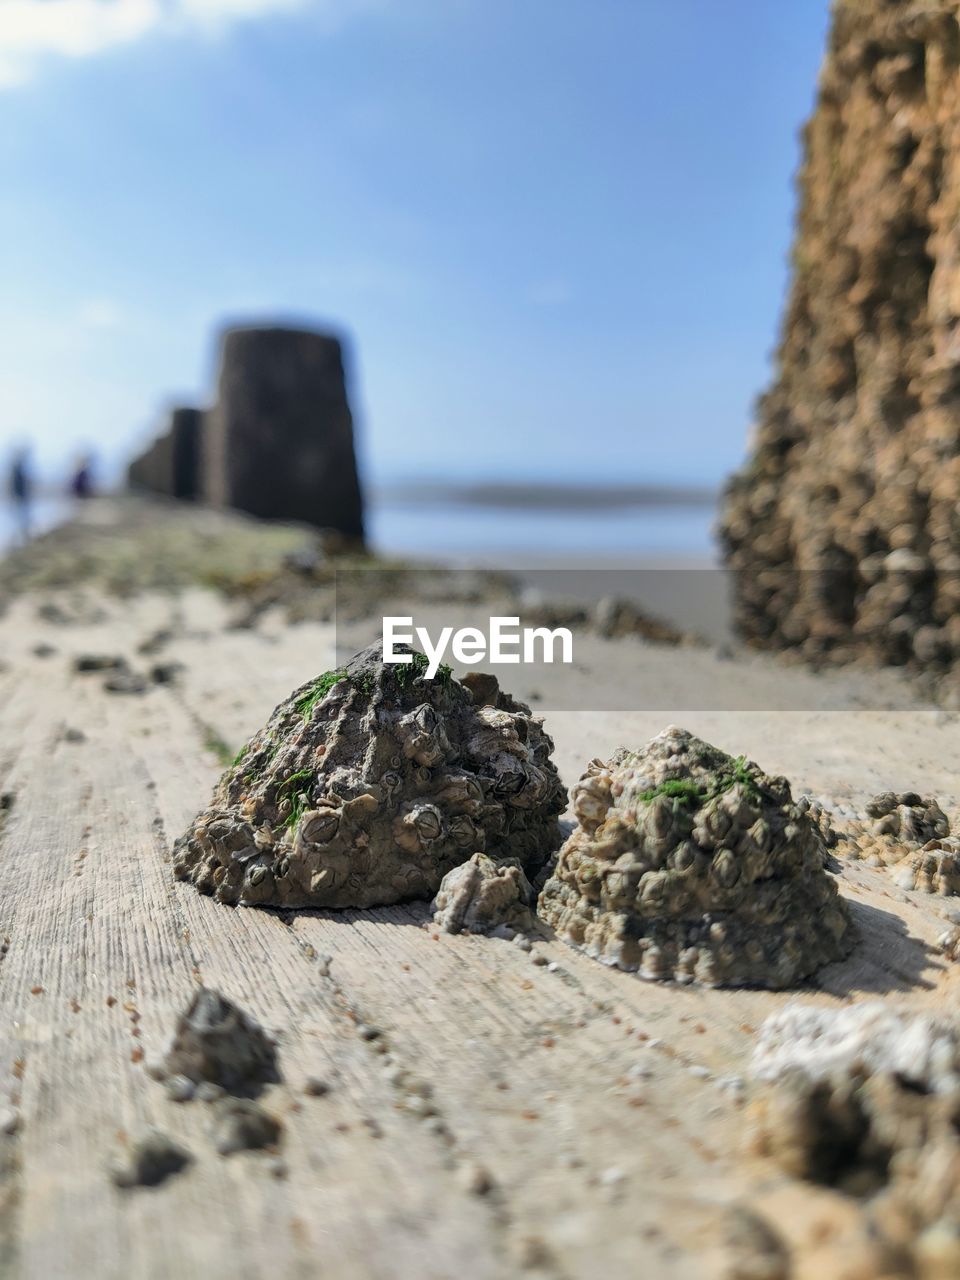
556, 230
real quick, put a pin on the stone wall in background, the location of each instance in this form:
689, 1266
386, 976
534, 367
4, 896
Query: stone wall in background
843, 528
278, 443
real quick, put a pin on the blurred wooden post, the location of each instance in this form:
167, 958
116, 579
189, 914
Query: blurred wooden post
279, 441
172, 464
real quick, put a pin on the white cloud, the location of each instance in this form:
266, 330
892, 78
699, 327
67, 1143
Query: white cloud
32, 31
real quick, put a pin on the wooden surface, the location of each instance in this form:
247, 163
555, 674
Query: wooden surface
592, 1102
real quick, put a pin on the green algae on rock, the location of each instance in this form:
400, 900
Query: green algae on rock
692, 866
368, 784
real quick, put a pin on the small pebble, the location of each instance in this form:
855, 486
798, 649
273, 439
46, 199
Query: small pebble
315, 1087
639, 1072
166, 672
418, 1106
179, 1088
207, 1091
125, 682
277, 1168
242, 1125
9, 1120
523, 942
539, 959
731, 1084
86, 662
532, 1252
474, 1179
366, 1032
151, 1160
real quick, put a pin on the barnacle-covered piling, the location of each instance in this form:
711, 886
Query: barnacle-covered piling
689, 865
368, 785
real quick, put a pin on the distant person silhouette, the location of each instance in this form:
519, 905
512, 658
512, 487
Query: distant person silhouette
81, 484
21, 491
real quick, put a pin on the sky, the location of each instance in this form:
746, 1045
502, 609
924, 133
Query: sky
555, 232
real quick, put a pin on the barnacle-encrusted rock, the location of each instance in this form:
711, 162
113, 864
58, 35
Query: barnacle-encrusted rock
898, 823
909, 817
483, 894
935, 869
368, 785
822, 819
862, 1039
692, 866
217, 1043
867, 1098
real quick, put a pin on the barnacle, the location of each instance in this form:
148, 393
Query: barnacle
908, 816
367, 785
482, 895
897, 825
933, 869
690, 865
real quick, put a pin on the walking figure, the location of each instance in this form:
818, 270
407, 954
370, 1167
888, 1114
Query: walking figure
21, 492
81, 483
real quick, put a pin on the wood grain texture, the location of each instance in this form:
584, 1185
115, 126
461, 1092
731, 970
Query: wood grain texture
590, 1102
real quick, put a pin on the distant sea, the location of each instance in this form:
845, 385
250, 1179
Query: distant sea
458, 523
44, 514
573, 523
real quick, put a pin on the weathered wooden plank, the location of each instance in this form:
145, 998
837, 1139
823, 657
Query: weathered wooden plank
136, 945
591, 1099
